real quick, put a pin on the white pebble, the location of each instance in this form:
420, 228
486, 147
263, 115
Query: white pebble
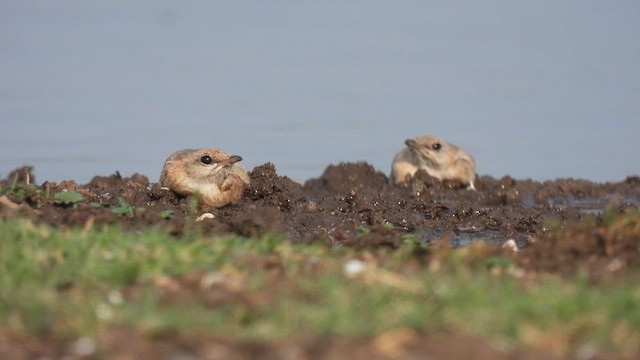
212, 278
103, 311
353, 268
114, 297
84, 346
205, 216
511, 244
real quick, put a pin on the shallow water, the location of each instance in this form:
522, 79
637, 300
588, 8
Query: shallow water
537, 90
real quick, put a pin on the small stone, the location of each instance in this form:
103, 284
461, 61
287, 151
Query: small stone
511, 244
103, 312
354, 267
205, 216
114, 297
84, 346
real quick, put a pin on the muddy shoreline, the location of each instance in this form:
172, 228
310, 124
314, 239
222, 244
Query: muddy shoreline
350, 204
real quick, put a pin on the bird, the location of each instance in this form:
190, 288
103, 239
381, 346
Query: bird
212, 174
440, 159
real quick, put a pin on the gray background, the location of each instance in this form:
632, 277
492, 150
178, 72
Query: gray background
534, 89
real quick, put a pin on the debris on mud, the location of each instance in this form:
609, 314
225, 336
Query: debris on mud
353, 204
560, 227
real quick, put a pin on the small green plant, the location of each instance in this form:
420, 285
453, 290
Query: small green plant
18, 191
14, 184
363, 230
388, 225
411, 239
123, 208
499, 262
166, 214
411, 246
47, 190
194, 202
67, 198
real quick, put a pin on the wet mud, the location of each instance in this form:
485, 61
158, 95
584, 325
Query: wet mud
335, 207
353, 204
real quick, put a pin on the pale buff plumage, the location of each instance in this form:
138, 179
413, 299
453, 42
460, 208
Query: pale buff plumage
440, 159
211, 174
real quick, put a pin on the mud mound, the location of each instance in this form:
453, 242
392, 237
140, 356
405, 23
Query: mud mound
346, 178
600, 247
349, 204
269, 189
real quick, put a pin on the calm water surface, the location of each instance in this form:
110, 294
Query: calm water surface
538, 90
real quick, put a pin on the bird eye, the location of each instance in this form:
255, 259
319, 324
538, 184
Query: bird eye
436, 146
207, 160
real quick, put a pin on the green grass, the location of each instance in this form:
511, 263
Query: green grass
72, 283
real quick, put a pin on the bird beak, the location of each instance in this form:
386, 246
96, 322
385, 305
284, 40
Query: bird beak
231, 160
411, 143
